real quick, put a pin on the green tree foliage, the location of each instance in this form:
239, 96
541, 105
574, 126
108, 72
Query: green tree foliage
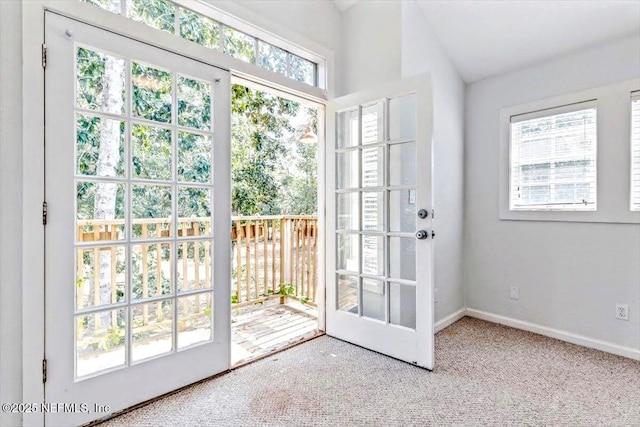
199, 29
271, 172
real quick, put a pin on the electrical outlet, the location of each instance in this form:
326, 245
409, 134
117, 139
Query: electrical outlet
622, 311
514, 293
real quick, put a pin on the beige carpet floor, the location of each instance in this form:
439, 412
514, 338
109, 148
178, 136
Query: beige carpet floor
486, 374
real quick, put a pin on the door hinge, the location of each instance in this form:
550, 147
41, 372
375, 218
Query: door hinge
45, 213
44, 370
44, 56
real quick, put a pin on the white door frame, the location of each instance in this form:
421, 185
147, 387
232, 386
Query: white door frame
33, 15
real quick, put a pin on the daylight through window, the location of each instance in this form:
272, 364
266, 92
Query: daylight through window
190, 25
553, 159
635, 151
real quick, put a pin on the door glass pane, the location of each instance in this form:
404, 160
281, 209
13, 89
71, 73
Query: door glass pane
373, 123
347, 129
151, 152
372, 167
402, 164
373, 299
347, 249
194, 157
347, 208
100, 341
151, 93
347, 293
402, 258
373, 211
194, 103
194, 266
347, 169
151, 329
402, 211
151, 270
402, 304
194, 211
100, 276
93, 141
151, 210
99, 211
373, 255
195, 319
98, 74
402, 117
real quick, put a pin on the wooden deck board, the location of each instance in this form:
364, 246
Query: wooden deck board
259, 332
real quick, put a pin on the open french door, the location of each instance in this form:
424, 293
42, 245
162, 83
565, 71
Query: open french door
379, 220
137, 256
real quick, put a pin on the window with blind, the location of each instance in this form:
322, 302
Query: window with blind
635, 151
553, 159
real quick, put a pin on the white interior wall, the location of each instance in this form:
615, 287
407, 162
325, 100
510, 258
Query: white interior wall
570, 275
371, 45
10, 208
421, 53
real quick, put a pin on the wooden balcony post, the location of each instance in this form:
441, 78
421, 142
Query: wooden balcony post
145, 273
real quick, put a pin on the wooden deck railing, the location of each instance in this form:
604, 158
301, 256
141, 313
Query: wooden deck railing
273, 256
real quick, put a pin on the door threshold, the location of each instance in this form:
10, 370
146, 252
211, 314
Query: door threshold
299, 341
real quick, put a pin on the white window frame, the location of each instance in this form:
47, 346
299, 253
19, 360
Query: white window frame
613, 154
257, 27
635, 97
548, 113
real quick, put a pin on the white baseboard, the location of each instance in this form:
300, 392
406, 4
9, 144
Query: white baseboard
450, 319
629, 352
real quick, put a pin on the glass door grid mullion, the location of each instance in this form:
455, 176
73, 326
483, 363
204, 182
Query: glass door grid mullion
360, 210
174, 206
128, 81
387, 213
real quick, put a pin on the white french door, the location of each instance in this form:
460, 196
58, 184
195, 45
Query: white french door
379, 220
137, 254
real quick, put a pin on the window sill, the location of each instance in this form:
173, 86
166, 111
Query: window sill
628, 217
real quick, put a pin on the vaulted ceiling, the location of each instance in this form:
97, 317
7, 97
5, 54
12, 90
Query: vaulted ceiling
489, 37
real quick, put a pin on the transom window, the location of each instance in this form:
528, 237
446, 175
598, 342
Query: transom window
190, 25
553, 159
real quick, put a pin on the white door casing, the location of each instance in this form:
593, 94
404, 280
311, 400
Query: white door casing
139, 370
379, 275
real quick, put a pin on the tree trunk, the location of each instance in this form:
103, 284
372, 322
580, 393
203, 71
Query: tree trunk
108, 159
